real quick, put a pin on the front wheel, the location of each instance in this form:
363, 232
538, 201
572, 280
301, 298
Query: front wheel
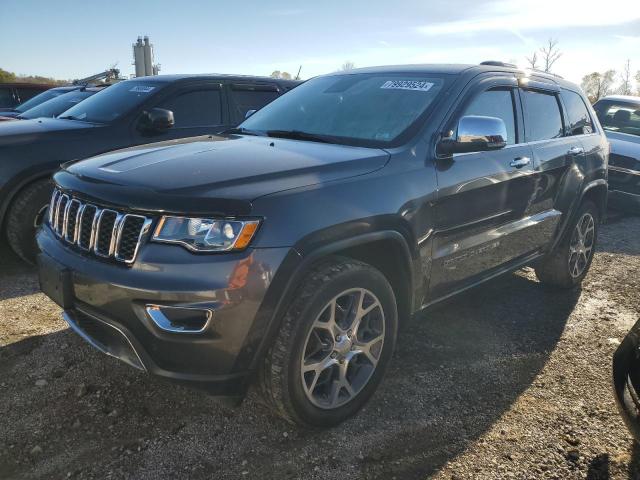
568, 264
334, 345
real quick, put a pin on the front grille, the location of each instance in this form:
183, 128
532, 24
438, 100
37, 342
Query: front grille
101, 231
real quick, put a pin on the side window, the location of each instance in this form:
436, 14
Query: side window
249, 97
543, 120
577, 113
495, 103
27, 93
619, 117
6, 97
195, 108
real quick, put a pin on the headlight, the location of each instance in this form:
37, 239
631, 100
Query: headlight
206, 234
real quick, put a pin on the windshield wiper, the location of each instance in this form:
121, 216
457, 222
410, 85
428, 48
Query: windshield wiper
244, 131
69, 117
299, 135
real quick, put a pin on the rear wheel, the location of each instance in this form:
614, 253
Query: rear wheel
334, 345
569, 263
25, 216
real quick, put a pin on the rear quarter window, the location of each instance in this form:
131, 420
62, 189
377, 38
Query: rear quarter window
577, 114
543, 120
249, 97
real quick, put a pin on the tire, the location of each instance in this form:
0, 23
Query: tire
25, 215
310, 399
565, 267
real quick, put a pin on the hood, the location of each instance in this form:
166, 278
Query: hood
26, 131
215, 174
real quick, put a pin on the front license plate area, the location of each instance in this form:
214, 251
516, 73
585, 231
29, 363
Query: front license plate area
55, 281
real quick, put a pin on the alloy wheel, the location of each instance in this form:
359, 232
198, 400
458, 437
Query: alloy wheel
342, 348
581, 245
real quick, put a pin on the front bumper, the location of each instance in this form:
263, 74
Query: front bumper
626, 380
107, 304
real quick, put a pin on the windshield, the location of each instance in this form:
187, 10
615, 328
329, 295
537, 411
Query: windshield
40, 98
619, 117
356, 109
113, 102
55, 106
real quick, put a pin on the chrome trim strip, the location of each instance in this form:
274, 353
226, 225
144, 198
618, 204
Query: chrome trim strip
495, 234
626, 194
143, 231
96, 233
66, 222
624, 170
57, 217
52, 205
163, 323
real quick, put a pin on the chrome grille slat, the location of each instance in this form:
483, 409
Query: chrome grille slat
99, 231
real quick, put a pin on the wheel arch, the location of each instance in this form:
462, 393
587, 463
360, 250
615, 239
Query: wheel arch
596, 191
387, 250
16, 189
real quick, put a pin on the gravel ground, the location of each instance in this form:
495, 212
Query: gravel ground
510, 380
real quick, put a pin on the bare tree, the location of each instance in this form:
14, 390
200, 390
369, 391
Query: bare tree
625, 79
348, 65
550, 54
597, 85
638, 80
533, 61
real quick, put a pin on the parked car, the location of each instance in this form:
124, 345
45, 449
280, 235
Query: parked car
293, 247
37, 100
620, 118
132, 112
14, 94
626, 380
57, 105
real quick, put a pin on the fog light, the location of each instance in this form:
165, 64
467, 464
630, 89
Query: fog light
180, 319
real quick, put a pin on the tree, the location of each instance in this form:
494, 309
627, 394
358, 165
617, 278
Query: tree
597, 85
348, 65
6, 77
533, 61
279, 74
550, 54
625, 79
638, 80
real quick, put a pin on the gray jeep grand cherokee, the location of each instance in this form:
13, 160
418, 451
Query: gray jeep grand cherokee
290, 250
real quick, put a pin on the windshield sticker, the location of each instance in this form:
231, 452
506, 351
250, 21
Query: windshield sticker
417, 85
141, 89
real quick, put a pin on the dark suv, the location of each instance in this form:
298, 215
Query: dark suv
133, 112
291, 249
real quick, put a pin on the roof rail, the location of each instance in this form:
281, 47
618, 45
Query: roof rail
495, 63
537, 70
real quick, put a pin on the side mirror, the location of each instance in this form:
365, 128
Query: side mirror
249, 113
156, 120
475, 134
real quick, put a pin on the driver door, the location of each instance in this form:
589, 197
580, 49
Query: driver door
483, 197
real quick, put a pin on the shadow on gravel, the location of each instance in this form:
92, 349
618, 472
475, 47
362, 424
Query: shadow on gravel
16, 277
461, 367
620, 235
457, 370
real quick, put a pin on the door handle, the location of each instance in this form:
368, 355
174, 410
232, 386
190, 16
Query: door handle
520, 162
576, 151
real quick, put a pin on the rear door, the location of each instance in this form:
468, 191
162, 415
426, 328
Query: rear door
244, 97
483, 197
553, 151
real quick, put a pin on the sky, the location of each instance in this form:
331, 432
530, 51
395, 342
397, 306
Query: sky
70, 39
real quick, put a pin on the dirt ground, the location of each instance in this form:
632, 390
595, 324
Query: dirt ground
507, 381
